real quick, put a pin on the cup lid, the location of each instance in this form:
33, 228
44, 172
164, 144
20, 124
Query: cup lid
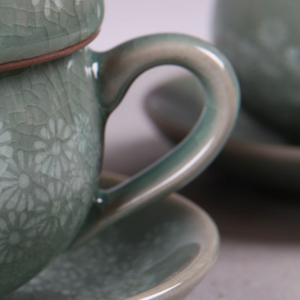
30, 29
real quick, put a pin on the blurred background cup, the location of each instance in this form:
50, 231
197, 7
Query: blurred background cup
261, 39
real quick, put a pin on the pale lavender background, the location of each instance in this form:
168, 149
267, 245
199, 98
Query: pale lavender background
248, 267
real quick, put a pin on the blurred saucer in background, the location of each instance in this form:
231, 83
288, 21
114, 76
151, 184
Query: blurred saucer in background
252, 152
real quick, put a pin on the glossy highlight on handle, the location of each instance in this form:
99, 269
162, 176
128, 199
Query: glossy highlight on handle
118, 69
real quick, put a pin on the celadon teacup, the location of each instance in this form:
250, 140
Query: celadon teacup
52, 119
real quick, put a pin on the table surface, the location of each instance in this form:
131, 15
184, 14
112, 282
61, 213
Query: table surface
259, 256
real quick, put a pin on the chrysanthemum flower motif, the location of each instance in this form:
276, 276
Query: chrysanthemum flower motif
84, 138
6, 151
52, 6
17, 233
81, 183
84, 131
58, 199
52, 159
79, 176
5, 138
84, 167
70, 146
61, 205
17, 185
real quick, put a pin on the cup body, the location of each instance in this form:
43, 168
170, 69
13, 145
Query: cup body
261, 39
51, 130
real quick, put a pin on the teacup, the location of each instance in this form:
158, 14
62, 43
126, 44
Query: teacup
31, 28
52, 121
261, 39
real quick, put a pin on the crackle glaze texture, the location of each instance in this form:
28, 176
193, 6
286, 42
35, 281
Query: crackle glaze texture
125, 260
50, 144
30, 28
261, 39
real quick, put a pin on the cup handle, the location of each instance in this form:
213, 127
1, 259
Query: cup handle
119, 67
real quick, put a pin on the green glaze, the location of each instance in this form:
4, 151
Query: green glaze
30, 28
253, 152
50, 145
261, 39
52, 120
175, 240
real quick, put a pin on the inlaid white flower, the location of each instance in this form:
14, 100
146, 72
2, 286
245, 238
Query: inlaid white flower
56, 199
52, 6
61, 204
79, 177
84, 168
16, 234
6, 151
35, 2
84, 132
52, 159
17, 185
5, 139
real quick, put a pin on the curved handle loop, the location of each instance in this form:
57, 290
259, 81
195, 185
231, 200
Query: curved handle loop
119, 67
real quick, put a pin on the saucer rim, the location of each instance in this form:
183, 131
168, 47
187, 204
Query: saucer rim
182, 283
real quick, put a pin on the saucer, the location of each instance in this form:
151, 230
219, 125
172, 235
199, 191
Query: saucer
161, 252
252, 152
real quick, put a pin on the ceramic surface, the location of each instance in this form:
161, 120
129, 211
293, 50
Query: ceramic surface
52, 122
261, 39
50, 144
253, 152
30, 28
171, 249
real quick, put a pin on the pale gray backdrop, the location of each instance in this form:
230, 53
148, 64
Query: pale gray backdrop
260, 257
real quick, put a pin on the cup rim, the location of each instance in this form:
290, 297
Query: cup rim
10, 66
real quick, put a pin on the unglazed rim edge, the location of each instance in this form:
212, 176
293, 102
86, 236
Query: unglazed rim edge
10, 66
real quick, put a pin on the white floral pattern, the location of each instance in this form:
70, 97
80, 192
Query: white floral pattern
83, 127
41, 205
50, 160
79, 177
5, 139
49, 126
16, 235
61, 204
85, 139
6, 150
17, 185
